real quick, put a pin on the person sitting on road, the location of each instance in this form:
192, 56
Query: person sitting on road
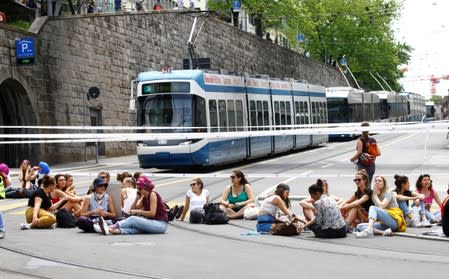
69, 184
307, 204
238, 196
356, 207
270, 206
26, 178
103, 175
403, 195
72, 203
385, 217
328, 221
121, 177
424, 186
96, 206
149, 214
445, 214
38, 215
2, 226
196, 198
128, 195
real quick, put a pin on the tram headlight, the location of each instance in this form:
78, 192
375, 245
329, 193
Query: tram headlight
141, 144
187, 142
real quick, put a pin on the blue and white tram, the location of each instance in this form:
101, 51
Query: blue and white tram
416, 106
222, 103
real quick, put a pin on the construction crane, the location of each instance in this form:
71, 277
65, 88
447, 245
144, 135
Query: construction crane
433, 79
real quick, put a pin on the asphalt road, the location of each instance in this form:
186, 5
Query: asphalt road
232, 251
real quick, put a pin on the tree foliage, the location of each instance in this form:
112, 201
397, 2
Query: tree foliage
360, 30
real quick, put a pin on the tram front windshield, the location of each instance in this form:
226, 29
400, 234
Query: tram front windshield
338, 110
172, 111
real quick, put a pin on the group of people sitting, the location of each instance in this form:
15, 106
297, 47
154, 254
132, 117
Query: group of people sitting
368, 211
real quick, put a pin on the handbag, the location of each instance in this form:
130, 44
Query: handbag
284, 225
64, 219
213, 214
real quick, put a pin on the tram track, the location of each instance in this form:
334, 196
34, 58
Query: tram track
217, 187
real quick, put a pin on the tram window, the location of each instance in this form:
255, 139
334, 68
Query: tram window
213, 115
239, 114
277, 116
288, 113
282, 105
259, 116
306, 113
266, 118
199, 114
231, 115
297, 114
322, 110
253, 115
313, 113
222, 116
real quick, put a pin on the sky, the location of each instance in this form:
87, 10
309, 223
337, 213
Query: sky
424, 25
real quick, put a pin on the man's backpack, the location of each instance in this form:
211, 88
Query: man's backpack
370, 151
213, 214
64, 219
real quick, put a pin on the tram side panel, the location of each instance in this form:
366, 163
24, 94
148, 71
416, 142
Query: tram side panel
317, 95
260, 116
282, 110
301, 108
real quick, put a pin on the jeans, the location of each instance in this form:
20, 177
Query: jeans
264, 223
429, 215
381, 215
137, 225
328, 233
404, 207
2, 225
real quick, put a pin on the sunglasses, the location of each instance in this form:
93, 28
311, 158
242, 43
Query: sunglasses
103, 177
357, 180
192, 184
232, 176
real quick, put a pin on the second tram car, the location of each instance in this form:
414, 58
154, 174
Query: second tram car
206, 101
393, 107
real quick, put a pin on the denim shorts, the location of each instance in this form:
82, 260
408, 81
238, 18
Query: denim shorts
264, 223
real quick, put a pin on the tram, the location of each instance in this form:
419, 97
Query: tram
215, 101
416, 106
351, 105
393, 107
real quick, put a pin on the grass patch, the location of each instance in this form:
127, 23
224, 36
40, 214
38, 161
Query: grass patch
20, 24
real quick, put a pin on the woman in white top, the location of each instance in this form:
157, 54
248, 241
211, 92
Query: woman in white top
273, 203
128, 195
195, 200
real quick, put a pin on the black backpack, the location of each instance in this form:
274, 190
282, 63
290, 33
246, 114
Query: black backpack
213, 214
64, 219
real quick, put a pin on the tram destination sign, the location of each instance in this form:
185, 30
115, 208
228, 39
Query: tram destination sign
25, 51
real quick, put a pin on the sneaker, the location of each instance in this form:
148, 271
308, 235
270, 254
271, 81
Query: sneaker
2, 234
415, 223
103, 226
387, 232
364, 234
97, 228
24, 226
426, 224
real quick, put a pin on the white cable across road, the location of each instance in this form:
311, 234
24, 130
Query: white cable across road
316, 129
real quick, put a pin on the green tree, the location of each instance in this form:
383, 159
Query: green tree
359, 29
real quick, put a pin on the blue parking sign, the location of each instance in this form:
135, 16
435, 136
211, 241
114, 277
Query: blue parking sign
300, 38
236, 6
25, 50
